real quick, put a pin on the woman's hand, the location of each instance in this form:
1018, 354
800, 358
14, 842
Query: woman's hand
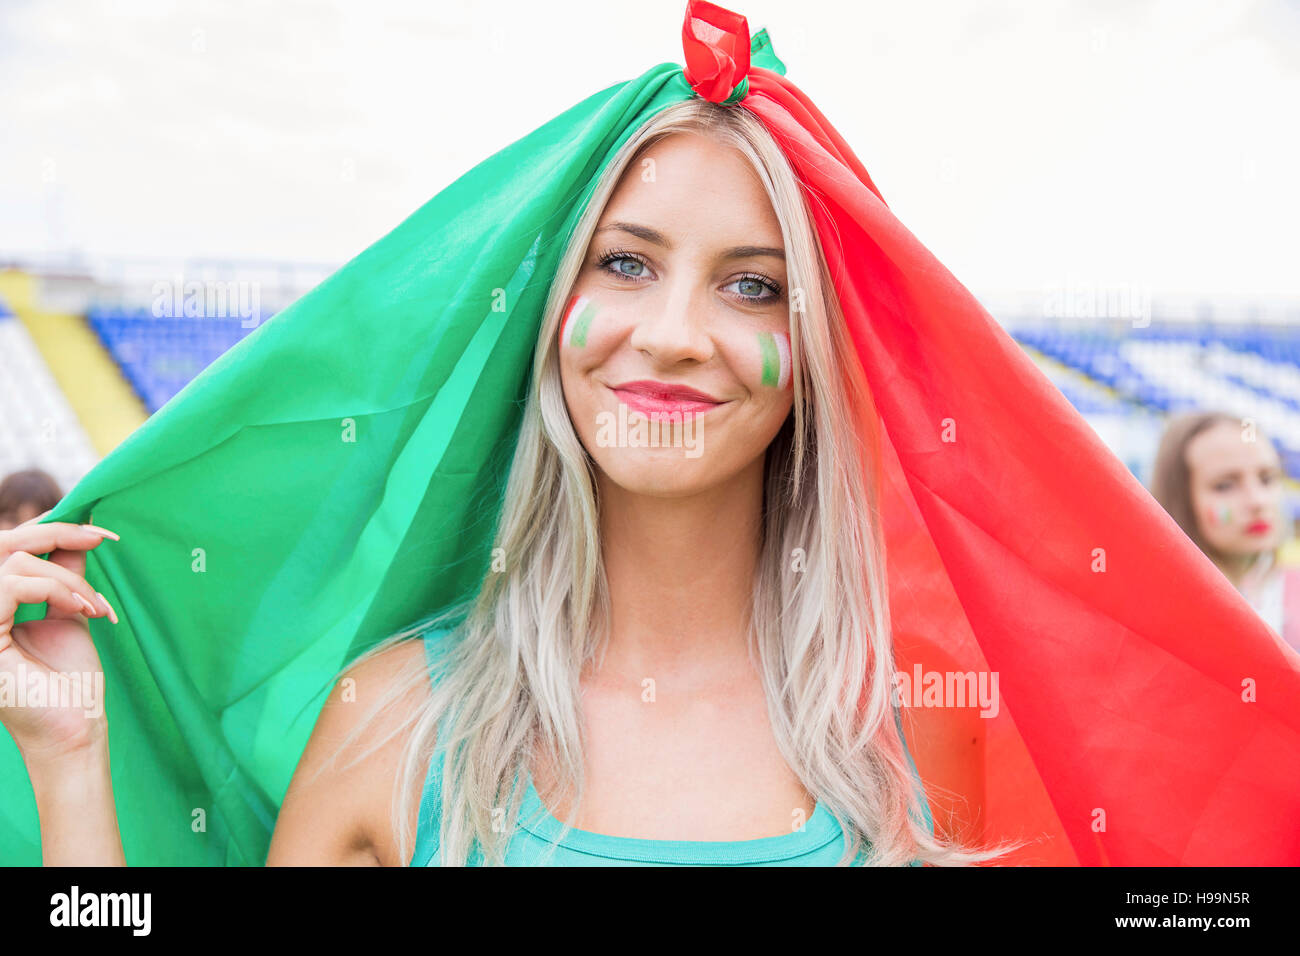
63, 734
54, 655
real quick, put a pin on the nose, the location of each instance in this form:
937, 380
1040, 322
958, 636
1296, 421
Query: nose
1261, 496
674, 326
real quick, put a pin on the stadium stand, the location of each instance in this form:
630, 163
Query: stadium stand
38, 428
1249, 370
159, 355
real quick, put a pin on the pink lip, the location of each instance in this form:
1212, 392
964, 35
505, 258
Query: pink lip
1258, 527
662, 398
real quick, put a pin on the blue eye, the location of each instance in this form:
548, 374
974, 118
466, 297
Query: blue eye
623, 264
753, 286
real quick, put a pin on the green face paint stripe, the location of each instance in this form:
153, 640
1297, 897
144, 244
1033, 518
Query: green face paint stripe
771, 358
581, 324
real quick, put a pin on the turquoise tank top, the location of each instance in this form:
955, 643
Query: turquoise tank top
534, 843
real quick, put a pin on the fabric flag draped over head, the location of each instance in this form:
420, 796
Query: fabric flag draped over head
337, 475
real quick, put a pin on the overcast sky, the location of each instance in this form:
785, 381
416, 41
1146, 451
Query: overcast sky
1027, 144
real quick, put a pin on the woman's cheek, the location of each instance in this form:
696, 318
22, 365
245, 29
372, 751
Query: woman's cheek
1221, 523
589, 327
762, 360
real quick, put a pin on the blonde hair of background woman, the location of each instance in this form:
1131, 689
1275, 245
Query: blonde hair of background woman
509, 681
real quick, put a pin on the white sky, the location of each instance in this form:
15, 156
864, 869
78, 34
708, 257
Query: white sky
1151, 143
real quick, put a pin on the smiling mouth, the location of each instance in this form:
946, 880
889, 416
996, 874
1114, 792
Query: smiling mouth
658, 398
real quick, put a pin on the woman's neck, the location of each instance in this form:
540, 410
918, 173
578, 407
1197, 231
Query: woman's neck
681, 579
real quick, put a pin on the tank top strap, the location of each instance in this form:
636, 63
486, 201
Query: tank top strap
1291, 607
428, 824
916, 776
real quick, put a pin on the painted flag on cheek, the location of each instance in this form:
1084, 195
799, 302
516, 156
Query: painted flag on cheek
293, 506
577, 321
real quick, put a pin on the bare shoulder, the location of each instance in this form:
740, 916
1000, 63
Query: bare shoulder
338, 808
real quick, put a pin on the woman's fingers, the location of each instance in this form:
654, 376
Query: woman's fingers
54, 657
75, 595
44, 538
66, 544
18, 589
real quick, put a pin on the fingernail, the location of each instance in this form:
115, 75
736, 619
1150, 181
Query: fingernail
112, 615
91, 610
103, 531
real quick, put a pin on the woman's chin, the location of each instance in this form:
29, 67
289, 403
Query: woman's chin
1253, 549
659, 473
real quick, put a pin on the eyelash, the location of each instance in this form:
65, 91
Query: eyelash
1267, 477
615, 254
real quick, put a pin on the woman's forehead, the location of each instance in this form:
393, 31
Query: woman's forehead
1226, 447
687, 188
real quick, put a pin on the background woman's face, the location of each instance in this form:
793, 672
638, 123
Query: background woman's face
684, 284
1236, 488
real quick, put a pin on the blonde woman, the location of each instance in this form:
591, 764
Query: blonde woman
681, 724
626, 673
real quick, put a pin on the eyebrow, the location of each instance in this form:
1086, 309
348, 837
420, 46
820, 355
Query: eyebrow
659, 239
1238, 472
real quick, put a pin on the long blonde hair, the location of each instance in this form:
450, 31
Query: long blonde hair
507, 688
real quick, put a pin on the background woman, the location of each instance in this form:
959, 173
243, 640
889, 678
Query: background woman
1222, 481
